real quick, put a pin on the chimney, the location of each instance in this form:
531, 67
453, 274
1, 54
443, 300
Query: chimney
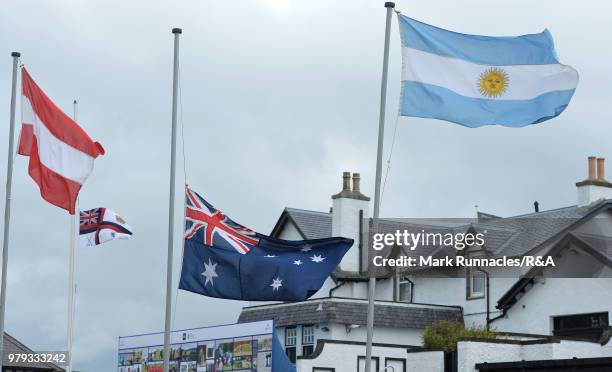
601, 170
349, 208
592, 175
346, 192
536, 206
594, 187
346, 182
356, 181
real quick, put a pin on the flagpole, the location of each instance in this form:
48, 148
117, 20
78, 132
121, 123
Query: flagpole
379, 155
7, 202
71, 278
177, 32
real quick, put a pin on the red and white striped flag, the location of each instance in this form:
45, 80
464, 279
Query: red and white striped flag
61, 153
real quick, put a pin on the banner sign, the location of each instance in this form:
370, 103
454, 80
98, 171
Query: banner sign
235, 347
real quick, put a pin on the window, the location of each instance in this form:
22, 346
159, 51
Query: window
307, 350
585, 326
290, 341
361, 364
475, 284
405, 290
396, 364
307, 339
290, 336
290, 351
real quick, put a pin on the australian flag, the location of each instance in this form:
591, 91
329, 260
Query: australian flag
227, 260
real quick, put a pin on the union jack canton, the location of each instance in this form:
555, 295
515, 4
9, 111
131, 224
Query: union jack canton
213, 228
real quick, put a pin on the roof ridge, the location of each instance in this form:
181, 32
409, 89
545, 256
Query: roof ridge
590, 206
546, 211
305, 210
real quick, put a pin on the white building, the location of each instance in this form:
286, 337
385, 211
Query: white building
572, 299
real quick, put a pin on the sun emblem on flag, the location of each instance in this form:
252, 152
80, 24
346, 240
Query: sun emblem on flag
493, 82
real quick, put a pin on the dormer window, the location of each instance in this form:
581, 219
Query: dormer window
476, 281
403, 288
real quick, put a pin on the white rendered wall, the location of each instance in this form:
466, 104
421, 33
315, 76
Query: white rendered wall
290, 232
556, 296
386, 335
343, 357
471, 353
587, 194
579, 349
430, 361
452, 292
345, 223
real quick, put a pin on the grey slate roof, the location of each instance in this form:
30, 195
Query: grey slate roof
312, 224
13, 346
351, 311
517, 236
510, 236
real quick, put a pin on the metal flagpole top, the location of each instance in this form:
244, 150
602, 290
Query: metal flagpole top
389, 4
168, 320
7, 204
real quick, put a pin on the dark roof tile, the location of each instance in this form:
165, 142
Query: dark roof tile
345, 311
314, 225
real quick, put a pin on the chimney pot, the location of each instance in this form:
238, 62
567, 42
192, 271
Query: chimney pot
601, 169
595, 187
592, 174
346, 181
346, 188
356, 183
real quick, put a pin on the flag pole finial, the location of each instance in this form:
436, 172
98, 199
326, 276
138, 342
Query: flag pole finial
15, 54
177, 30
389, 4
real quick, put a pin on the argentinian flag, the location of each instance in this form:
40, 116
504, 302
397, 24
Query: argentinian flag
480, 80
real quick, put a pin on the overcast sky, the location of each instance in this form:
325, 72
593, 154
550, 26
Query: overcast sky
278, 98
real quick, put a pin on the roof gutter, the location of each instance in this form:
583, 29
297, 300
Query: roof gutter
331, 291
489, 321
